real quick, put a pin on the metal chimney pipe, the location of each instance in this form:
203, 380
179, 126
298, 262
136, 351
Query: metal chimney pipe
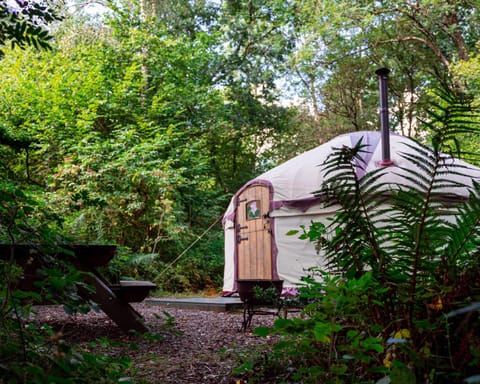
382, 74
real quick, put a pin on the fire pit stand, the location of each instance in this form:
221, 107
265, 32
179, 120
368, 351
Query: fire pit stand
260, 297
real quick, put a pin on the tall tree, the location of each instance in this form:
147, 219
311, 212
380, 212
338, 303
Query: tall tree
419, 41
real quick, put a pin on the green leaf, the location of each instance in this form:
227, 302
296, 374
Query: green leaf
262, 331
372, 343
402, 375
27, 295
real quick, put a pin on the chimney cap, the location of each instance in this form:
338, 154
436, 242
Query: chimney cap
382, 71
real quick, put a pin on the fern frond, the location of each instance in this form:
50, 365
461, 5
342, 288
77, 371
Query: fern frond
355, 245
450, 117
464, 236
417, 182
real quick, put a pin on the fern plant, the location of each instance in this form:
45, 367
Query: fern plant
357, 241
419, 237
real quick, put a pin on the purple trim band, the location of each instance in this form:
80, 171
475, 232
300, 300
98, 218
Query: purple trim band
289, 291
229, 217
301, 204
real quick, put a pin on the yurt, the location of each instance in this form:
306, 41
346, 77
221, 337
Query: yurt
266, 208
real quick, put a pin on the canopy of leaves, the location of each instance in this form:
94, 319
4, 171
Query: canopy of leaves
341, 43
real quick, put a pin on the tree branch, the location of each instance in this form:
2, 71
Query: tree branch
436, 49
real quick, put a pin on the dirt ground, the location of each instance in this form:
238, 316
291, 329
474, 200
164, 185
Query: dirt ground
193, 346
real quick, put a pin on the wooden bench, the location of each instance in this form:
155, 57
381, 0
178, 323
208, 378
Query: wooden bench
132, 291
113, 299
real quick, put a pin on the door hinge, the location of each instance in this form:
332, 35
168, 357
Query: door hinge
240, 201
240, 239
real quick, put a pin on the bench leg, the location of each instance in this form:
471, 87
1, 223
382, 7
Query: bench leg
122, 313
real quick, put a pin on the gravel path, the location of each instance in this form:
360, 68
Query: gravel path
194, 347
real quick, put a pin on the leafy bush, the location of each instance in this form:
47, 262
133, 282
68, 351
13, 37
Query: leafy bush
399, 301
199, 269
332, 341
32, 352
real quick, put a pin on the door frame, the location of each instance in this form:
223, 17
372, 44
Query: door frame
273, 248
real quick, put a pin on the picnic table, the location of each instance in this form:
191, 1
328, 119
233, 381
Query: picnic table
114, 299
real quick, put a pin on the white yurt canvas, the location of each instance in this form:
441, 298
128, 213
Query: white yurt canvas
266, 208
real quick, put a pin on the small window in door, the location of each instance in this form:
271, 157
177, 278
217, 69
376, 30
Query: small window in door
253, 209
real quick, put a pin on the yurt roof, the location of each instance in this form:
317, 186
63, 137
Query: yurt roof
295, 180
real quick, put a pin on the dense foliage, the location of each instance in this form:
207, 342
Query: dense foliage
421, 42
136, 137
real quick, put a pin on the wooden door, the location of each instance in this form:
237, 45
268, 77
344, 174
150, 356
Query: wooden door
254, 237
